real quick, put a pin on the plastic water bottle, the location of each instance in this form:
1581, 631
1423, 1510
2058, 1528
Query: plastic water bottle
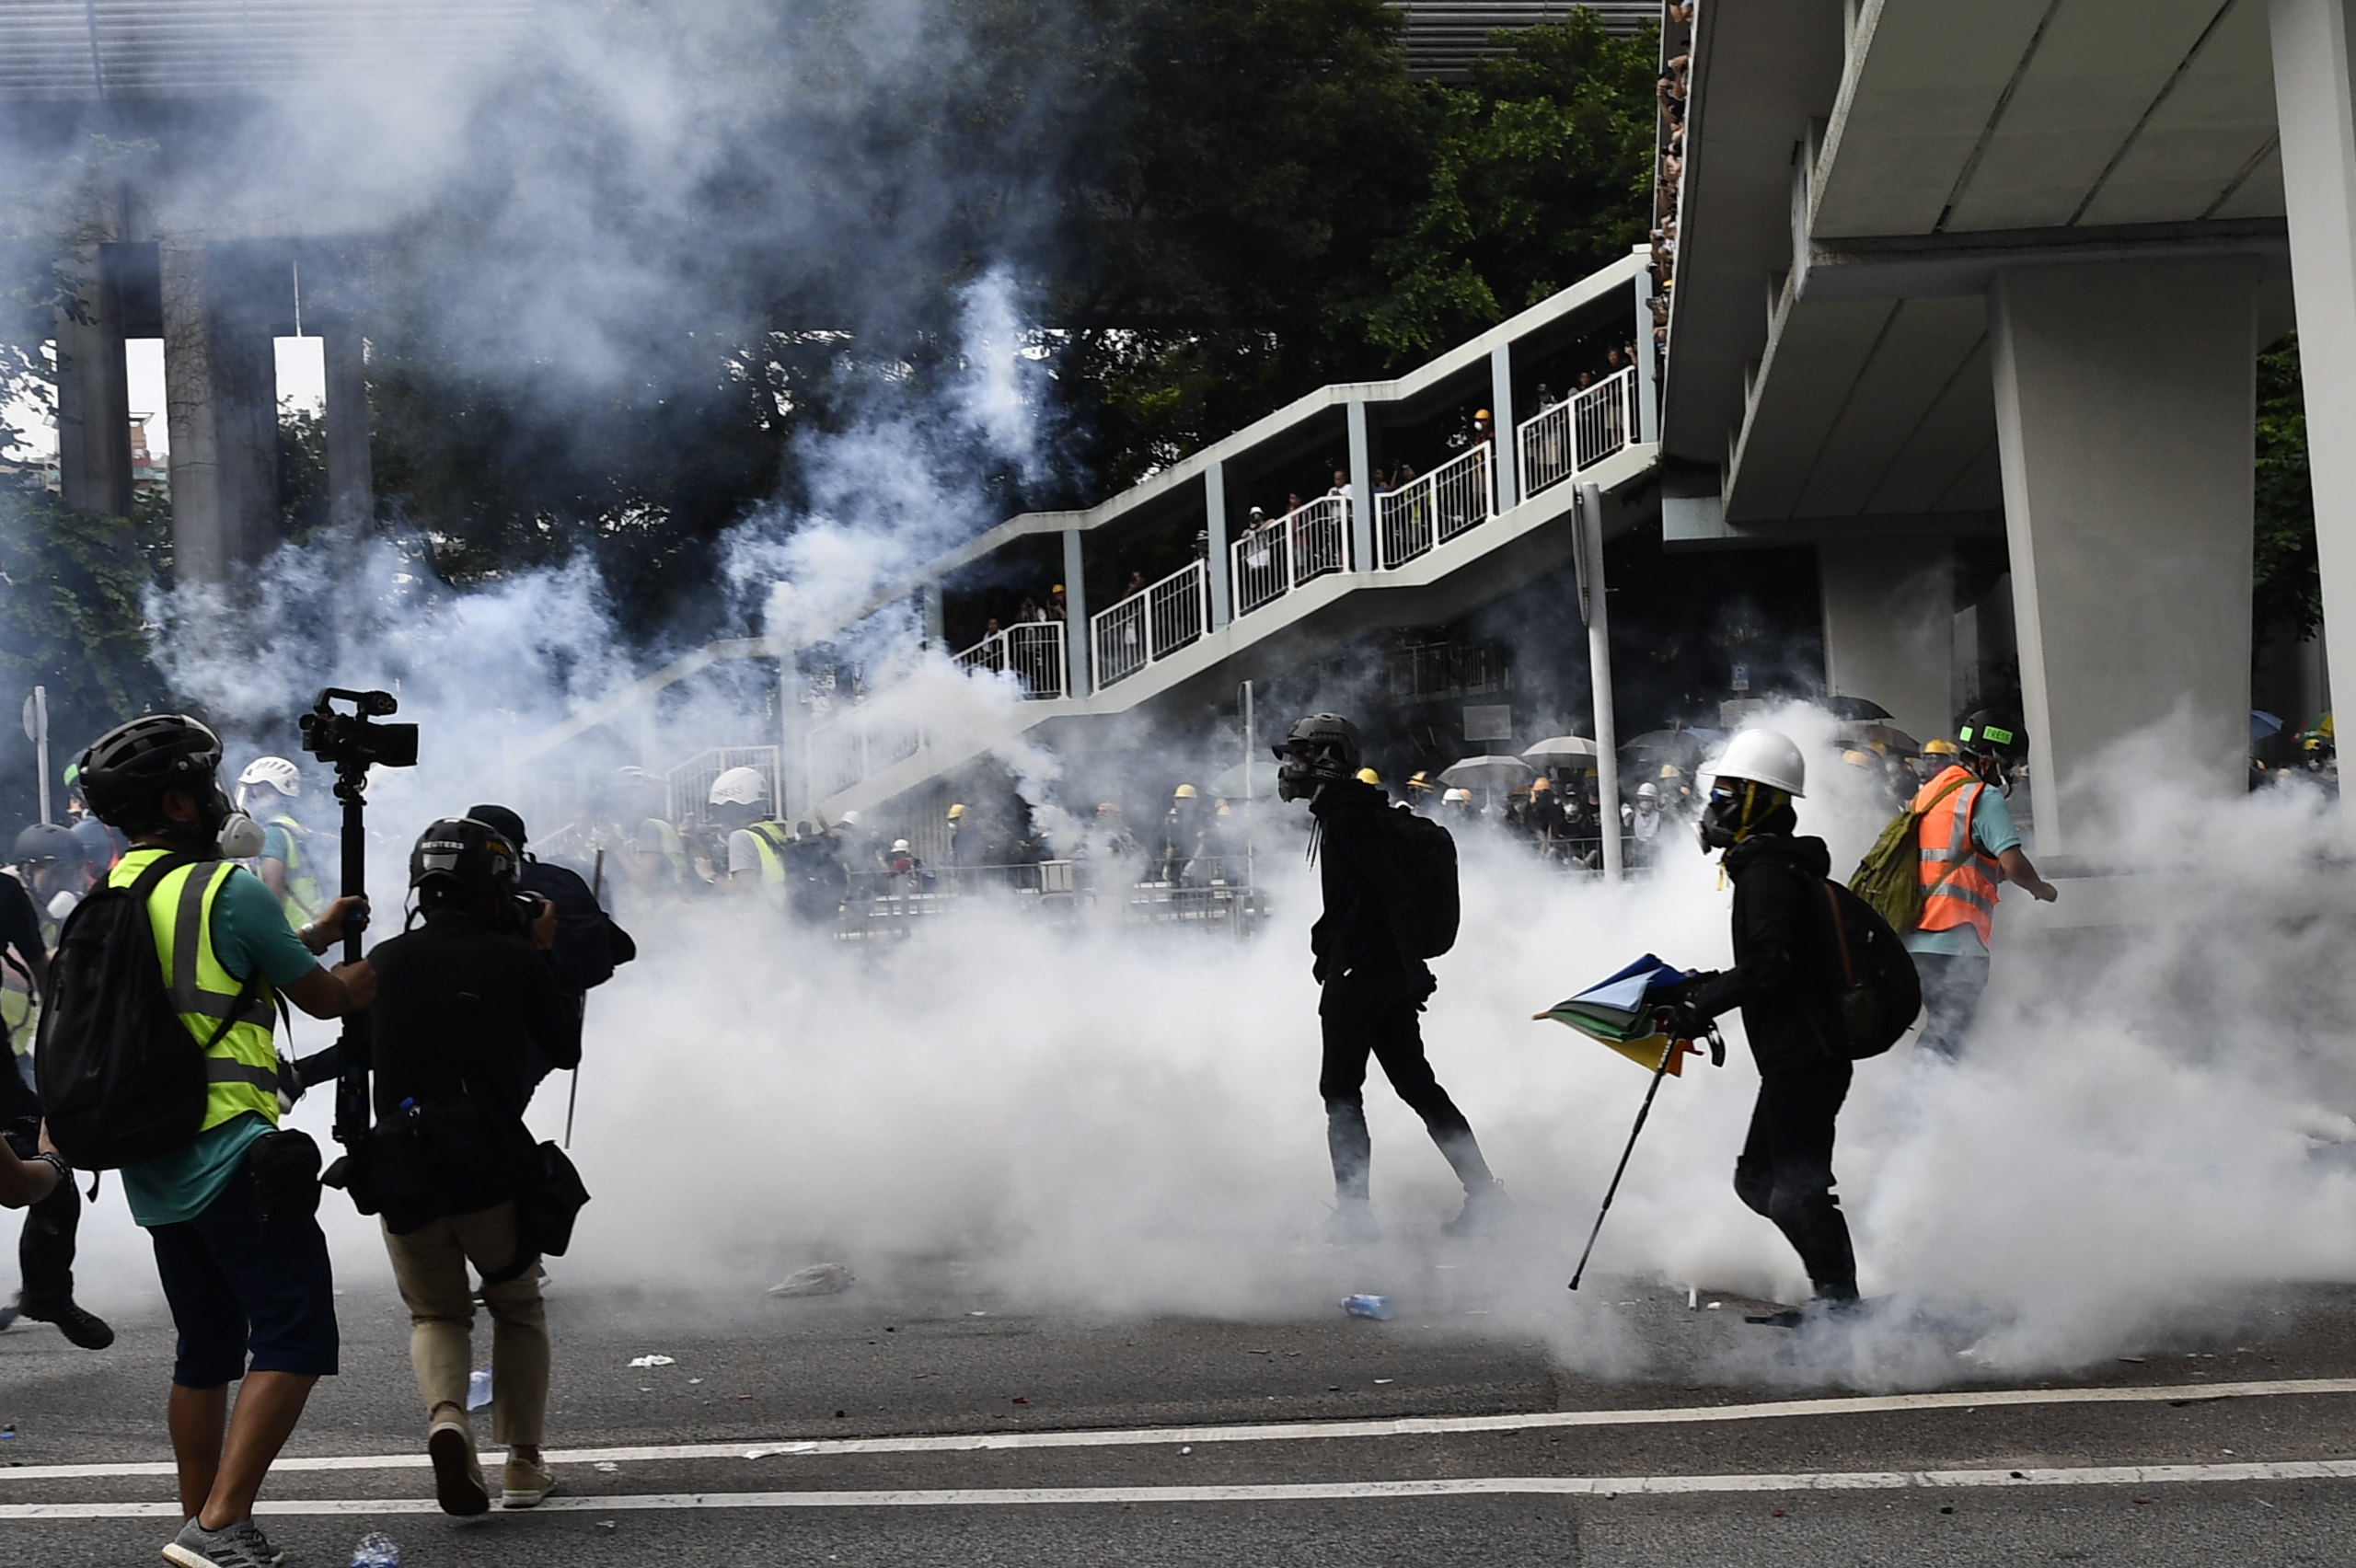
478, 1389
376, 1550
1375, 1307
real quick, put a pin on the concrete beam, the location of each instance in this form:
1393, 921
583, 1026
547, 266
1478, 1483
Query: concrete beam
2125, 401
221, 396
351, 493
94, 395
1922, 265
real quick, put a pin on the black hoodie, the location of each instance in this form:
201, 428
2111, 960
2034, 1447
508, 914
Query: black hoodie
1366, 933
1779, 979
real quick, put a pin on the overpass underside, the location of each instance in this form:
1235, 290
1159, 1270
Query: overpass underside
1950, 275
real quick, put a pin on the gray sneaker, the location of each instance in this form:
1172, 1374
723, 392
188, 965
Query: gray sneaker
238, 1545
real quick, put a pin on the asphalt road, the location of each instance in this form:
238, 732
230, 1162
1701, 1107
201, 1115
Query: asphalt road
920, 1420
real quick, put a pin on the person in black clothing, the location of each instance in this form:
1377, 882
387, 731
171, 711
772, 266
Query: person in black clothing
1787, 992
589, 945
1367, 959
45, 1248
465, 1004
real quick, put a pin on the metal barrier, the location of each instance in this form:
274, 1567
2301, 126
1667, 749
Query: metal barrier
1031, 651
1434, 509
1278, 557
840, 753
1578, 432
1150, 624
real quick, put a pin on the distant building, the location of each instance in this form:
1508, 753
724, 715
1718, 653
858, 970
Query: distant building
1444, 37
150, 475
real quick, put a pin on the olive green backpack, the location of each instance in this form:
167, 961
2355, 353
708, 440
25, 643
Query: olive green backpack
1890, 876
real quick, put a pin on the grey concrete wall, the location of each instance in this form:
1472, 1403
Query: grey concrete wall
351, 495
2125, 400
1889, 626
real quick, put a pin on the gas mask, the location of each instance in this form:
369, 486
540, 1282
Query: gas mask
1735, 808
1305, 769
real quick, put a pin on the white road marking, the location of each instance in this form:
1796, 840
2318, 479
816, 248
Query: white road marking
1607, 1486
1289, 1431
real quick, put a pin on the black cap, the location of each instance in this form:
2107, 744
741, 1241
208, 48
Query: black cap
503, 819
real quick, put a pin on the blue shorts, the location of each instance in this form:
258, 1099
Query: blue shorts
237, 1289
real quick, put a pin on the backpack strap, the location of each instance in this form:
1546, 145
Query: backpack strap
1840, 934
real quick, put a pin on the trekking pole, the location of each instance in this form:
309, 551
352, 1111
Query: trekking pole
596, 897
1669, 1055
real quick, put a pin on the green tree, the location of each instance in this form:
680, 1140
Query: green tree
74, 587
2287, 585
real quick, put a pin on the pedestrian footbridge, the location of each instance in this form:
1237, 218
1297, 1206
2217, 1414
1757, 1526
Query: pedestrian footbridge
1378, 544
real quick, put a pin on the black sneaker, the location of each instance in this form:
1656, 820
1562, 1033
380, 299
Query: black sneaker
241, 1545
9, 1313
86, 1329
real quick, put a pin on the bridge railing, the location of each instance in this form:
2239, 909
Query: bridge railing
1460, 494
1150, 624
1031, 650
1308, 542
1580, 432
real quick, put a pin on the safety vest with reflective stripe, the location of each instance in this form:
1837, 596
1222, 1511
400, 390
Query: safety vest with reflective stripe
302, 903
675, 849
769, 838
19, 1009
241, 1070
1958, 879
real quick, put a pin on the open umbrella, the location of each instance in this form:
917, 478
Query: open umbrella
1855, 708
1559, 749
1485, 773
1860, 732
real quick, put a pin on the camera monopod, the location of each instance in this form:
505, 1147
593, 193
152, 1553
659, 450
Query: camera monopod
352, 744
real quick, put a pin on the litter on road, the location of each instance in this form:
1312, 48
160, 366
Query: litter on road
818, 1279
654, 1361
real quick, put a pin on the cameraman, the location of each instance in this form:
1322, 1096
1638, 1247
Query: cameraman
464, 1003
589, 945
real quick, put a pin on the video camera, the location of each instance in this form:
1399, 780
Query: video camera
353, 741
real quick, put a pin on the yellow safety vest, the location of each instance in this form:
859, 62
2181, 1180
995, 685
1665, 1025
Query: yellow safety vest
302, 903
241, 1070
675, 849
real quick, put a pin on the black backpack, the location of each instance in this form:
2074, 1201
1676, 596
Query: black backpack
120, 1079
1879, 993
1428, 854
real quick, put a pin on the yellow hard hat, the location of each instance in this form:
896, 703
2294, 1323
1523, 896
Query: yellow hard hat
1418, 781
956, 811
1185, 792
1668, 770
1856, 759
1368, 776
1940, 748
1480, 413
1059, 588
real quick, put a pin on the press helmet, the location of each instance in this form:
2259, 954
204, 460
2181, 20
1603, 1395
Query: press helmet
460, 852
740, 787
127, 770
1990, 733
275, 771
1322, 749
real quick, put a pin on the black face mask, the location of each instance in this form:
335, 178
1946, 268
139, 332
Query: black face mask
1303, 771
1734, 814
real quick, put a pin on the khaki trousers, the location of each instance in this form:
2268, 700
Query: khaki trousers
429, 1265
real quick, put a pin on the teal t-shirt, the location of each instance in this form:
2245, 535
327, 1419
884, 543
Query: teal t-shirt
276, 844
1992, 832
249, 931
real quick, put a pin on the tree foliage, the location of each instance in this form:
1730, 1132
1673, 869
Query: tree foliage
2287, 583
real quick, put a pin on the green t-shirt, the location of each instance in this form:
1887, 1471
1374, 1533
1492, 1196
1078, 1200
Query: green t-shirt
249, 931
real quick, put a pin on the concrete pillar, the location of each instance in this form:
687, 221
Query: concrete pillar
1361, 489
1077, 651
221, 398
1216, 559
1647, 407
1889, 626
351, 485
1506, 457
935, 616
2314, 110
94, 397
2125, 401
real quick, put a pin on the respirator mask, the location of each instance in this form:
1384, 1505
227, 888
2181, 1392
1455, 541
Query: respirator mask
1304, 769
240, 837
1735, 808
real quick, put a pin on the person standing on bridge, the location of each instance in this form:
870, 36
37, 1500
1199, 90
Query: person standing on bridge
1968, 845
1386, 912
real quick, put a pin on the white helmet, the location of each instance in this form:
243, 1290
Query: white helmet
899, 847
1455, 795
275, 771
1648, 791
1765, 757
740, 787
849, 819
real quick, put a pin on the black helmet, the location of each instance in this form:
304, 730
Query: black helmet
503, 820
1322, 749
45, 842
1990, 733
127, 769
474, 855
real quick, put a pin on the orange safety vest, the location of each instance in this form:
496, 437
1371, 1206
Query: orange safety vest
1959, 880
